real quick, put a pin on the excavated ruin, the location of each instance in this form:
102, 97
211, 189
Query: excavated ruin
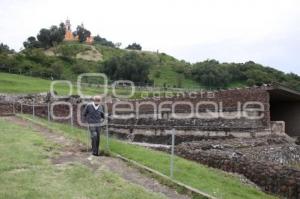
263, 150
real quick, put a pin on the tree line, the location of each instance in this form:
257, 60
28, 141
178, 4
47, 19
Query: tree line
212, 73
46, 38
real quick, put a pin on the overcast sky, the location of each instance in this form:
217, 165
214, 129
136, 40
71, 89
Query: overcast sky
265, 31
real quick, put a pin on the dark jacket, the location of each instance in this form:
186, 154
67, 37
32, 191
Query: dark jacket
92, 116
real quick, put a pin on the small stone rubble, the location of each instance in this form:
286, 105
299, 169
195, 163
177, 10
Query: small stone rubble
39, 98
272, 163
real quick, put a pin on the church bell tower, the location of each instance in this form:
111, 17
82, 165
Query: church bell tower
69, 35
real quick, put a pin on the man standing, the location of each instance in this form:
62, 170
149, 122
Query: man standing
93, 114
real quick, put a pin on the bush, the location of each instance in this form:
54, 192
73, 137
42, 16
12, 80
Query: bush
51, 37
157, 74
5, 49
134, 46
250, 82
79, 69
57, 69
82, 33
131, 66
103, 41
211, 74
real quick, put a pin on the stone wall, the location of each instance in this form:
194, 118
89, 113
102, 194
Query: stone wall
158, 130
150, 127
228, 100
6, 109
271, 177
151, 122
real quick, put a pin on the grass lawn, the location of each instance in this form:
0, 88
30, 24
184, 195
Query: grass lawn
170, 78
20, 84
26, 172
12, 83
212, 181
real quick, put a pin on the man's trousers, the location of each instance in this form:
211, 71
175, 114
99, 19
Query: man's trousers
95, 138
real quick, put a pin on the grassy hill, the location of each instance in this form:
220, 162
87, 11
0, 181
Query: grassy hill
69, 59
72, 58
162, 72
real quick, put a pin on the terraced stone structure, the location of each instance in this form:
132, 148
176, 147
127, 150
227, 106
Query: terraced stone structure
225, 113
249, 112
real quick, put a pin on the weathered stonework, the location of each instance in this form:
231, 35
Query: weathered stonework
252, 158
162, 121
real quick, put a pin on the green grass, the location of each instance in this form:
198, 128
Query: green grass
237, 84
212, 181
20, 84
26, 172
109, 52
169, 77
12, 83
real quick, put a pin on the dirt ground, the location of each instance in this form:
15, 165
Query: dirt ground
74, 152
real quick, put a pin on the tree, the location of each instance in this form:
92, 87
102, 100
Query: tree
44, 37
62, 29
211, 73
31, 42
82, 33
5, 49
57, 34
134, 46
103, 41
51, 37
131, 66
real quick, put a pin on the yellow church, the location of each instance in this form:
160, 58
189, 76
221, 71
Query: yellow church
70, 37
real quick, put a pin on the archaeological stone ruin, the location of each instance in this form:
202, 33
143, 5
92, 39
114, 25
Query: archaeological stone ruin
250, 131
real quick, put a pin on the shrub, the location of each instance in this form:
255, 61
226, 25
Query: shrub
131, 66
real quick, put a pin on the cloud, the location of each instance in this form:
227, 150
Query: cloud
264, 31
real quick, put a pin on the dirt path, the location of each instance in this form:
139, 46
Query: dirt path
72, 151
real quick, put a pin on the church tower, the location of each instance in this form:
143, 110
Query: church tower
69, 35
68, 25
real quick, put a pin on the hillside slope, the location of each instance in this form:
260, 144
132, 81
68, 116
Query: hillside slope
21, 84
69, 59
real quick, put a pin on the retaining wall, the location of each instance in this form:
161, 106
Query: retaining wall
149, 123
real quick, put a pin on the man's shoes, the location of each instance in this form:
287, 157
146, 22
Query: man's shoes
95, 154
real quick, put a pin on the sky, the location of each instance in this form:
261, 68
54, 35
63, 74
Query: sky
264, 31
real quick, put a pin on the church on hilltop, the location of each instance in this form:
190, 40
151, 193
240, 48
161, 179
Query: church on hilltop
69, 36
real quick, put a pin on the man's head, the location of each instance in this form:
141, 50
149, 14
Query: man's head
97, 99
